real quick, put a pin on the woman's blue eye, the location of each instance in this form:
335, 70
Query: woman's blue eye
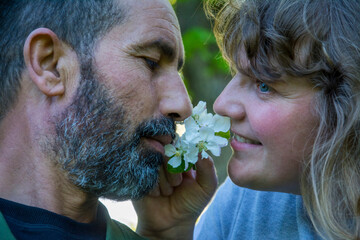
263, 87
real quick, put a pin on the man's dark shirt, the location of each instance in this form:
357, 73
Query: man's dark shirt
31, 223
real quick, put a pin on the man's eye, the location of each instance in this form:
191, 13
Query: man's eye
151, 64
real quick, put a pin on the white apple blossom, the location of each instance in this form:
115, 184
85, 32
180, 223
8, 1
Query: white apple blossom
209, 141
200, 108
203, 132
221, 124
175, 152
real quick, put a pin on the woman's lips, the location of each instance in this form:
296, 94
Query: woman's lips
241, 143
245, 140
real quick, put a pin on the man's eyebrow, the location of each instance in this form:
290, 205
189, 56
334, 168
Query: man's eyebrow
163, 47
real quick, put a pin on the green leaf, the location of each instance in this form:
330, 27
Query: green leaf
223, 134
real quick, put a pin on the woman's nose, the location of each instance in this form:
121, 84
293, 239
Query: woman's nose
229, 102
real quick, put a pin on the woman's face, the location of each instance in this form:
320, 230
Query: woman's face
273, 129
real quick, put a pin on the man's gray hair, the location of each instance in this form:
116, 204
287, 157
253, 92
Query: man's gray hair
79, 23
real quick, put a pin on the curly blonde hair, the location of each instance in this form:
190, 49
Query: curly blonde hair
318, 41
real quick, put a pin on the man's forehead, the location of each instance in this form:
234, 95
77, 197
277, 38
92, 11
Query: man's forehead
149, 13
155, 25
137, 6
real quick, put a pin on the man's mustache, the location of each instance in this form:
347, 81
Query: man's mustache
157, 127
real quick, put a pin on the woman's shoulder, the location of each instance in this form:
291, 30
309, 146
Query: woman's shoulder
239, 213
231, 190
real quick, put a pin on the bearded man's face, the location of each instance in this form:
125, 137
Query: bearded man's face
99, 144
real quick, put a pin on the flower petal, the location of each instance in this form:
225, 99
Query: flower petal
221, 124
186, 165
190, 124
206, 120
204, 154
170, 150
206, 133
191, 155
175, 161
220, 141
200, 107
214, 149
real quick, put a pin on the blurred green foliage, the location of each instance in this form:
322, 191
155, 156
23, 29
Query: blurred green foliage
201, 41
205, 72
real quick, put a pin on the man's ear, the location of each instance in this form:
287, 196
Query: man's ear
42, 51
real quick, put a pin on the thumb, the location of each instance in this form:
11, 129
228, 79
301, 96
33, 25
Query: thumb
206, 175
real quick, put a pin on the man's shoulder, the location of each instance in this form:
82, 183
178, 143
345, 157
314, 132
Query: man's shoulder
117, 230
5, 232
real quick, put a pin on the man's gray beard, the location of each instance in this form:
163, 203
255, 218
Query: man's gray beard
98, 151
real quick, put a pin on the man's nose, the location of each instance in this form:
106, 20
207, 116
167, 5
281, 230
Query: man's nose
174, 99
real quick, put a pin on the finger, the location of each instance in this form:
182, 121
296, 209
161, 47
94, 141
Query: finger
191, 174
206, 175
155, 192
165, 188
174, 179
